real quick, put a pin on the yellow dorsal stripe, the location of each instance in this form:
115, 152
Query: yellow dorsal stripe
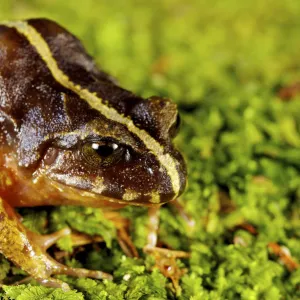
36, 40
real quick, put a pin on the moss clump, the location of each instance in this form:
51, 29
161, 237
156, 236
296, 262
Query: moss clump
223, 63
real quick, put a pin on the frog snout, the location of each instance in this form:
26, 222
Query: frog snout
172, 185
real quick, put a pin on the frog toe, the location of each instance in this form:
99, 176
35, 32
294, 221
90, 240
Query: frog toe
80, 272
56, 268
54, 283
47, 240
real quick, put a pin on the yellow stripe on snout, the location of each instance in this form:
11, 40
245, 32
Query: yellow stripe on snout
41, 46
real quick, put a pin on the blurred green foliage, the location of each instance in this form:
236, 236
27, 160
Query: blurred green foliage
223, 62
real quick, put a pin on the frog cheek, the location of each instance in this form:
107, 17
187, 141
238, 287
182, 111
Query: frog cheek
139, 184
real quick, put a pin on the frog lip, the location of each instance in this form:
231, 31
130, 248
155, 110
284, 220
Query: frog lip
76, 196
112, 200
131, 202
148, 204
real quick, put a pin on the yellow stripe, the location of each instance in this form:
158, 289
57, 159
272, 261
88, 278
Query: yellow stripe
44, 51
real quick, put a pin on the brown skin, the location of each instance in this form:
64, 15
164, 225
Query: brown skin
54, 145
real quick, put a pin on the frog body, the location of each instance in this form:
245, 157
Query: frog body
69, 135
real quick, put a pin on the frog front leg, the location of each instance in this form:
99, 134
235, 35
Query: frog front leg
153, 226
165, 259
28, 251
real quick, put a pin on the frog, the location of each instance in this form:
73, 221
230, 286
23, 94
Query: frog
70, 135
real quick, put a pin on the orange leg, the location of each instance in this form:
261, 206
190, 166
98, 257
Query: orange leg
122, 224
180, 209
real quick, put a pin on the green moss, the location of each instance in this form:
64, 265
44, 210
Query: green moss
24, 292
223, 63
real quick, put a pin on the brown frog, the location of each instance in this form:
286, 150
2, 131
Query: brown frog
69, 135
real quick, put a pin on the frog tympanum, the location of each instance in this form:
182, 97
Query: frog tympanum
69, 135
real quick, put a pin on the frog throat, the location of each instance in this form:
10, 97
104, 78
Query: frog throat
42, 48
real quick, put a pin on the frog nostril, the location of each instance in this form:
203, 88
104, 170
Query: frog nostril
150, 171
150, 165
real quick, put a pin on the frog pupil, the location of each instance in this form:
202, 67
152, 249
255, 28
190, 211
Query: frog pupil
104, 150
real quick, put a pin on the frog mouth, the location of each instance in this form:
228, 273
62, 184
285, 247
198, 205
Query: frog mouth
67, 195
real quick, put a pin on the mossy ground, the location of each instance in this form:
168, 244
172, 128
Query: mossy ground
223, 62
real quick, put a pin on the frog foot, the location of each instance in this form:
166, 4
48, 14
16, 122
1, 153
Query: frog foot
28, 250
165, 261
46, 241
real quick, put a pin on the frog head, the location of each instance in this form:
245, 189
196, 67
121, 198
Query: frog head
132, 162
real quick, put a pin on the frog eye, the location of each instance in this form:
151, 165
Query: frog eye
102, 153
